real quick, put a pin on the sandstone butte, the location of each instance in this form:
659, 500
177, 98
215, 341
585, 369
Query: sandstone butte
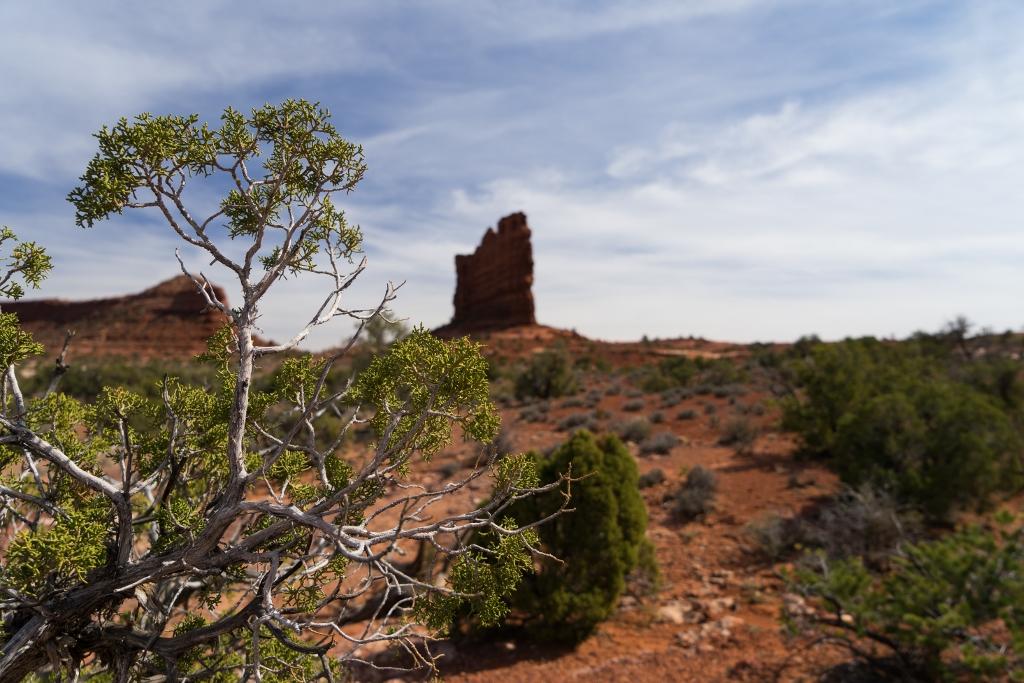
168, 321
493, 289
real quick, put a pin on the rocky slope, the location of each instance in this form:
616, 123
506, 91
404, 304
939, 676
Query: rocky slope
168, 321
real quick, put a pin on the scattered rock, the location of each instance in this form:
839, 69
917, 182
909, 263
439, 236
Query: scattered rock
721, 577
687, 638
716, 607
675, 612
795, 606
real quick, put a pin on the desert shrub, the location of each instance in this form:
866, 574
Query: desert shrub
680, 371
501, 446
688, 414
577, 421
633, 405
719, 372
537, 412
548, 375
739, 431
503, 392
676, 371
572, 402
949, 609
591, 362
496, 365
773, 536
905, 418
599, 543
657, 417
866, 523
936, 445
671, 397
651, 478
613, 390
632, 430
730, 391
660, 443
86, 379
695, 498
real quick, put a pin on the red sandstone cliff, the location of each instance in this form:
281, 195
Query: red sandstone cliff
493, 284
167, 321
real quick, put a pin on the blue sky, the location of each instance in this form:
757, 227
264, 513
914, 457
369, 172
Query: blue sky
735, 169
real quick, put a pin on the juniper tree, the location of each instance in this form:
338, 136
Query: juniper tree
211, 534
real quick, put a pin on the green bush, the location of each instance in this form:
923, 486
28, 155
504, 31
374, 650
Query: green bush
549, 375
676, 371
910, 420
948, 610
599, 543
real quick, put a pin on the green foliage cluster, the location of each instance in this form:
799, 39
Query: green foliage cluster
681, 371
914, 418
598, 543
481, 581
306, 154
25, 261
549, 375
223, 660
15, 343
60, 555
419, 385
949, 608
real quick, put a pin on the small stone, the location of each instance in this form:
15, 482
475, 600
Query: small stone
726, 574
673, 613
717, 607
695, 616
730, 622
795, 605
687, 638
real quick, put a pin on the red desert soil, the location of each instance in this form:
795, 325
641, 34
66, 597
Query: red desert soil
716, 616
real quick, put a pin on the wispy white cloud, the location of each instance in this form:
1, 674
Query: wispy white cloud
740, 169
